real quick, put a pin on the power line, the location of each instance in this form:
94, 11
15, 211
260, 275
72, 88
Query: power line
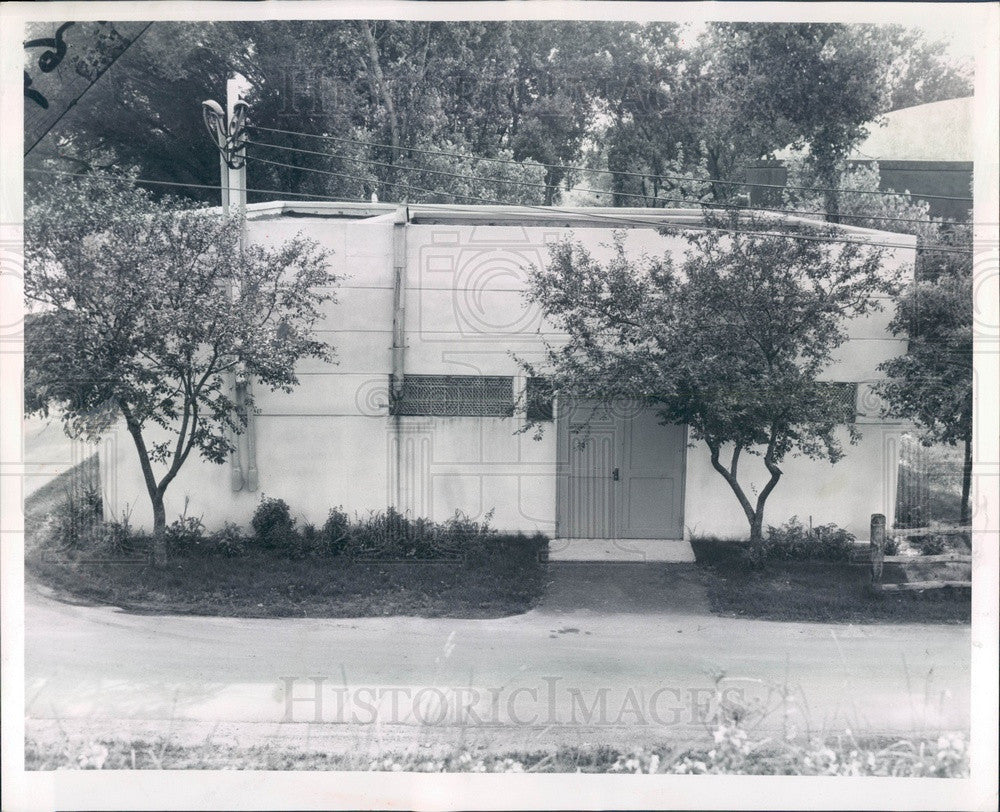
608, 218
536, 185
608, 171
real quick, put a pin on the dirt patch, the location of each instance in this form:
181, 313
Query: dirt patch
617, 587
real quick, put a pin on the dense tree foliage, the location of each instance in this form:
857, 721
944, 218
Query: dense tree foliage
931, 384
668, 108
923, 70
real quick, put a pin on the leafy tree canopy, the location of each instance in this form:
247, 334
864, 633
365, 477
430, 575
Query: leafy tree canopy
144, 311
538, 92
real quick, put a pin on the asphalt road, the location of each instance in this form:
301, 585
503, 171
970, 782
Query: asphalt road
613, 653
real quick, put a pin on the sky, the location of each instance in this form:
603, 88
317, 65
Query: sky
960, 34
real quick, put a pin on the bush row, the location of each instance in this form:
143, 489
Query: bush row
933, 542
794, 541
380, 535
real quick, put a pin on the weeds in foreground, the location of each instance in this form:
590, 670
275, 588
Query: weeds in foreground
733, 743
731, 752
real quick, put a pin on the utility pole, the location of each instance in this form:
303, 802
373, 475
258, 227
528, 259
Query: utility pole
228, 130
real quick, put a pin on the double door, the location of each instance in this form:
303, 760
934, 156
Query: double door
621, 472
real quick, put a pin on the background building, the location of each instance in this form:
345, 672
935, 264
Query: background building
925, 150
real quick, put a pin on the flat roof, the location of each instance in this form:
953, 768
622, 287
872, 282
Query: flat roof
524, 216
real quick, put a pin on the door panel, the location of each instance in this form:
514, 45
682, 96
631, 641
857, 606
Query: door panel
621, 473
591, 509
652, 476
650, 507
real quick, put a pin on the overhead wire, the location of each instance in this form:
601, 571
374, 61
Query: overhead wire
571, 167
533, 184
625, 218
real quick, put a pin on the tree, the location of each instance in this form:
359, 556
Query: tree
931, 384
744, 90
410, 85
538, 91
733, 342
923, 71
145, 311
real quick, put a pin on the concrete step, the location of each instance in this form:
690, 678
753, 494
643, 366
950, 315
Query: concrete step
674, 551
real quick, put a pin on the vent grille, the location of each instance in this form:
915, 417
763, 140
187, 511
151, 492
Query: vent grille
455, 396
847, 396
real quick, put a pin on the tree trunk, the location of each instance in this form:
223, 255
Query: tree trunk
754, 514
158, 550
966, 514
551, 185
382, 89
832, 205
828, 178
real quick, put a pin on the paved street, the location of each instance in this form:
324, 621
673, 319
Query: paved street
626, 651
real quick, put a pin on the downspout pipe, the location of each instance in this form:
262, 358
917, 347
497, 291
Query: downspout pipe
398, 344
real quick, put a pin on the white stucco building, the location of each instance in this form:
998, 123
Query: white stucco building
433, 299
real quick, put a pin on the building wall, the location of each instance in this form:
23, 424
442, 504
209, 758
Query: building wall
332, 442
939, 180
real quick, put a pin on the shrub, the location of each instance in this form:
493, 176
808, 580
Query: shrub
308, 541
336, 531
835, 543
936, 541
793, 541
929, 543
77, 519
229, 541
118, 537
185, 533
390, 535
273, 524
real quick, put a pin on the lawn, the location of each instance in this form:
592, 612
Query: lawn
263, 585
824, 591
